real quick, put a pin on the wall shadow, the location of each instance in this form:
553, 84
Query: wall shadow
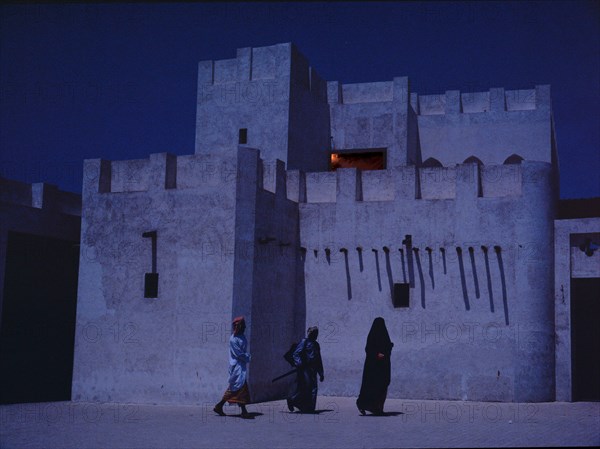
443, 252
403, 265
489, 277
361, 265
376, 253
409, 260
429, 251
421, 277
348, 283
503, 279
388, 269
300, 303
474, 269
463, 280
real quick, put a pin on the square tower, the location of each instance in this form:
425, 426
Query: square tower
267, 98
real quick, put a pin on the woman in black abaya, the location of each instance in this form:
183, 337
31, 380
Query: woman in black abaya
376, 372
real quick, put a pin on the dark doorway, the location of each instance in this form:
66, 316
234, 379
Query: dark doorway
38, 319
585, 338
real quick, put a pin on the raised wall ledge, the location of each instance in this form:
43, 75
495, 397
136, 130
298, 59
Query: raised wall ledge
462, 181
410, 183
494, 100
451, 102
260, 63
165, 171
276, 64
40, 196
396, 90
284, 61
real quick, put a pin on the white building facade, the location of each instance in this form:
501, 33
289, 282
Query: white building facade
451, 240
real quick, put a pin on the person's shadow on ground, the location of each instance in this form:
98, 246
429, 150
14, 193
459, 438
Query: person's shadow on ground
384, 414
249, 415
316, 412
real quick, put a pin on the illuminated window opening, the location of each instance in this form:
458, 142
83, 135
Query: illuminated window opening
361, 159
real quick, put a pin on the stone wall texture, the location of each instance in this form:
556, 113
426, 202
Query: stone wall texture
463, 212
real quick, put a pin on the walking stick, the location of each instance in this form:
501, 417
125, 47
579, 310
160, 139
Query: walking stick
285, 375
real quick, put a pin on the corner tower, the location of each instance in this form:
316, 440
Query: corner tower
268, 98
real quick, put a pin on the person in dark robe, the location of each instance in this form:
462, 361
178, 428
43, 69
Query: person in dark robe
237, 392
308, 362
376, 372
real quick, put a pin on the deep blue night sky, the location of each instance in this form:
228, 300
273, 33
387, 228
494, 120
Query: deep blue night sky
118, 81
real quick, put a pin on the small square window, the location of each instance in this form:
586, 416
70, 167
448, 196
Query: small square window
243, 136
401, 295
151, 285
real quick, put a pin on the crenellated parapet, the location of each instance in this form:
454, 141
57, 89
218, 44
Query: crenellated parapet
164, 171
494, 100
249, 64
160, 172
413, 183
450, 127
268, 98
136, 175
373, 115
450, 102
281, 62
168, 172
40, 195
377, 92
490, 126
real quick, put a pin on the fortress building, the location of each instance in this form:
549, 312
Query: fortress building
312, 202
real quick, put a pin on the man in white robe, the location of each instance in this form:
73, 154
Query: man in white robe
237, 392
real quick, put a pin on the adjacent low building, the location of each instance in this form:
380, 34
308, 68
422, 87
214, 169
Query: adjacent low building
39, 259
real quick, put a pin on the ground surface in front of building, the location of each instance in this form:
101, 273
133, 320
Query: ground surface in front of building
338, 424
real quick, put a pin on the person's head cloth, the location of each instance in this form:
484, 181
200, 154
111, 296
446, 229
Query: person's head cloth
379, 337
239, 324
313, 332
